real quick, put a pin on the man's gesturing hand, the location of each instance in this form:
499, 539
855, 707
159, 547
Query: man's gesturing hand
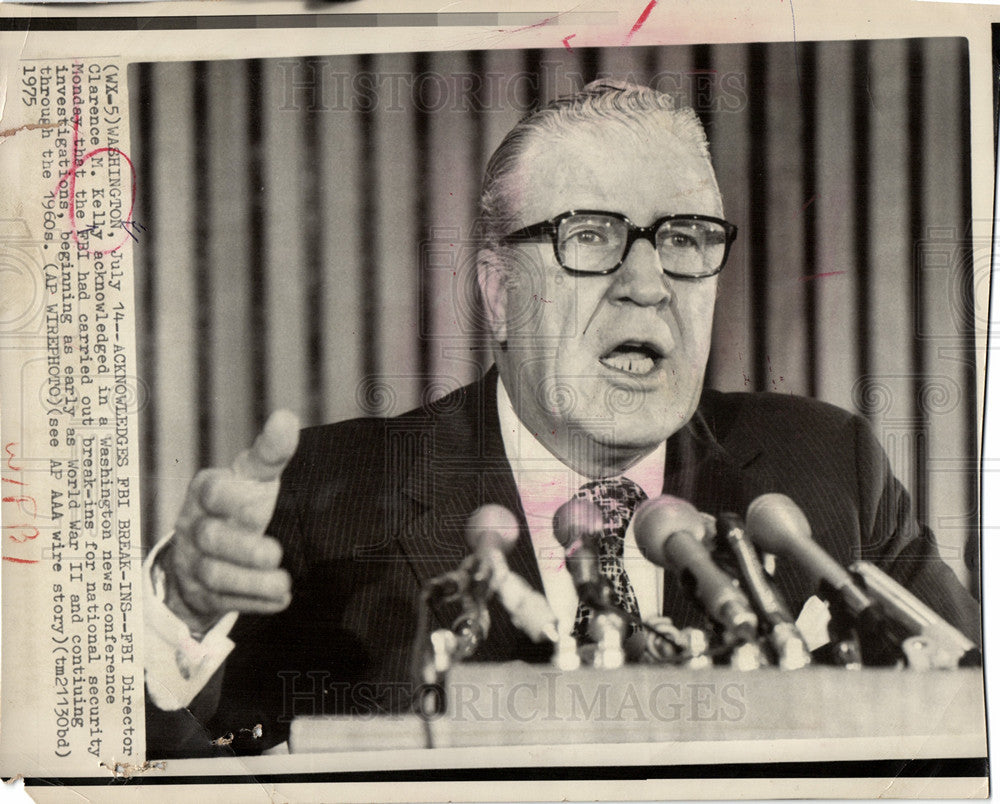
220, 559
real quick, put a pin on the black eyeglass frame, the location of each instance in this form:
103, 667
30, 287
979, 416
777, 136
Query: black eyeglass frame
550, 228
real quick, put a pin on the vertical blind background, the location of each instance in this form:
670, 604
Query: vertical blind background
308, 226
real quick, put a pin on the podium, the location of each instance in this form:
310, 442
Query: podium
528, 704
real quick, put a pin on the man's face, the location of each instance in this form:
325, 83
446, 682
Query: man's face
618, 359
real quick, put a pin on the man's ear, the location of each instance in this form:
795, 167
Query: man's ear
492, 278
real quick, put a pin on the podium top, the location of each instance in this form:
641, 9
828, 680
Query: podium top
521, 704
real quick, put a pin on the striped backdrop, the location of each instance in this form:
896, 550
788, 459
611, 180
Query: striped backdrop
305, 221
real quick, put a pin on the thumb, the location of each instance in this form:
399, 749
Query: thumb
271, 450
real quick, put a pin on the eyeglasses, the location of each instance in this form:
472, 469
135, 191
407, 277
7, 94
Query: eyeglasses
589, 242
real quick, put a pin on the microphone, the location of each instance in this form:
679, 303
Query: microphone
668, 532
777, 525
788, 643
492, 531
578, 526
937, 643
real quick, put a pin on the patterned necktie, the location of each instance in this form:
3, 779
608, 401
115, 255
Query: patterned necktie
617, 498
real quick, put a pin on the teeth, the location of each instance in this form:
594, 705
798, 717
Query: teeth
631, 362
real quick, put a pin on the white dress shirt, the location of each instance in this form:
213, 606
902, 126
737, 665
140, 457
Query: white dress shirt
177, 665
544, 483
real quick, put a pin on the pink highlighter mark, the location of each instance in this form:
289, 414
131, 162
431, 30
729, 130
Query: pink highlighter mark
820, 276
641, 21
566, 41
570, 552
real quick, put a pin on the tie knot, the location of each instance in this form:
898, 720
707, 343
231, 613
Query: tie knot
617, 498
613, 494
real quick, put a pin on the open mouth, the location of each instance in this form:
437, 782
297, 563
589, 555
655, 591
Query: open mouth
633, 357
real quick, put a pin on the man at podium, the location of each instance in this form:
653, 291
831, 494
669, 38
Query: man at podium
291, 582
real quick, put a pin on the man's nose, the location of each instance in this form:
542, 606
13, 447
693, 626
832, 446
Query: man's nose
641, 279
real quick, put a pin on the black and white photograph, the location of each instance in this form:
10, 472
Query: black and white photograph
637, 392
444, 403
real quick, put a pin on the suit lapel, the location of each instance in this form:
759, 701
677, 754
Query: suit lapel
459, 466
710, 474
702, 471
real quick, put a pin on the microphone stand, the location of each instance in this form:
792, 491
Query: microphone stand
432, 654
858, 635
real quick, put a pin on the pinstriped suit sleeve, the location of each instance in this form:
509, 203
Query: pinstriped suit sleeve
902, 546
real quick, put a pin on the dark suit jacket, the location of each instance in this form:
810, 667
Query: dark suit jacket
372, 508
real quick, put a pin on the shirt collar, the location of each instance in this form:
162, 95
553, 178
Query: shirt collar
543, 481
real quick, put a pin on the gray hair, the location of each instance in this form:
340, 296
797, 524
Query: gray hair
619, 102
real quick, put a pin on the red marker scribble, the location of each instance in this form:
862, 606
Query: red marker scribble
69, 177
546, 21
820, 276
20, 501
566, 41
9, 449
641, 21
24, 539
20, 532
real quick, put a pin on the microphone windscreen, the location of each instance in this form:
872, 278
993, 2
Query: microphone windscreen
656, 520
491, 527
577, 519
776, 524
